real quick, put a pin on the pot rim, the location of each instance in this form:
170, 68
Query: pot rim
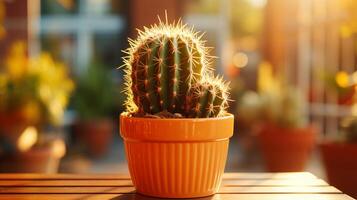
137, 129
227, 115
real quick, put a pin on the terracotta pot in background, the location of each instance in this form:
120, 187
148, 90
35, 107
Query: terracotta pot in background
286, 149
95, 135
176, 158
39, 159
340, 161
42, 158
12, 124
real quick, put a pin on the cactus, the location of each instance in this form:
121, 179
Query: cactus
207, 99
165, 67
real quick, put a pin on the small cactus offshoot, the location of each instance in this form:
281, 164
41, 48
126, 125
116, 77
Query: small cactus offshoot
207, 99
168, 71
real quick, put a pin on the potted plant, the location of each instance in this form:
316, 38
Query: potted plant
94, 100
176, 130
34, 94
286, 142
339, 158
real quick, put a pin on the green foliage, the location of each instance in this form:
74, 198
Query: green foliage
96, 94
17, 93
284, 108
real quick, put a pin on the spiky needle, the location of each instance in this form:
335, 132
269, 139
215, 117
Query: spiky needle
165, 69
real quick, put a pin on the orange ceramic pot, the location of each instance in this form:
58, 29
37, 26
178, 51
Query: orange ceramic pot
176, 158
286, 149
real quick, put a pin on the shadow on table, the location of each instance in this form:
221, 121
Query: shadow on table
142, 197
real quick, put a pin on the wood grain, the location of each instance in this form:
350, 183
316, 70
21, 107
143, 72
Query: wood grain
242, 186
124, 189
225, 182
215, 197
290, 175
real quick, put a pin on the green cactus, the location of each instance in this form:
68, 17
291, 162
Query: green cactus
207, 99
164, 66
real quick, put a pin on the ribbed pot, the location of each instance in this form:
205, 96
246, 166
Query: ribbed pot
176, 158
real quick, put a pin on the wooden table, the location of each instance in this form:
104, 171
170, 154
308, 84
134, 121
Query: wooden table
241, 186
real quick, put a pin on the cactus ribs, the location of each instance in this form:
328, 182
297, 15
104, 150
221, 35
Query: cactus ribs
168, 74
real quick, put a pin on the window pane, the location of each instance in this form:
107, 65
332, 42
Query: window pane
107, 49
102, 7
50, 7
62, 47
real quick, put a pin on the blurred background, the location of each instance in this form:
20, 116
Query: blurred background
292, 67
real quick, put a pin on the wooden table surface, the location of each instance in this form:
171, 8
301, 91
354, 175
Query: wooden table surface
241, 186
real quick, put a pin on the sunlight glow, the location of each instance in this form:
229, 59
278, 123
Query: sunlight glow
354, 77
59, 148
258, 3
27, 139
342, 79
354, 110
240, 60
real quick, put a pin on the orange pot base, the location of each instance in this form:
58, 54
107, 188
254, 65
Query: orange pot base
186, 166
167, 169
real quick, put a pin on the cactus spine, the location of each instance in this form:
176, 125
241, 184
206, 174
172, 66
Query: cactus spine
165, 69
207, 99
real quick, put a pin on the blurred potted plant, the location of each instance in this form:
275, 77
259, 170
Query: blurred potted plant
285, 140
250, 104
339, 158
33, 94
176, 131
94, 102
